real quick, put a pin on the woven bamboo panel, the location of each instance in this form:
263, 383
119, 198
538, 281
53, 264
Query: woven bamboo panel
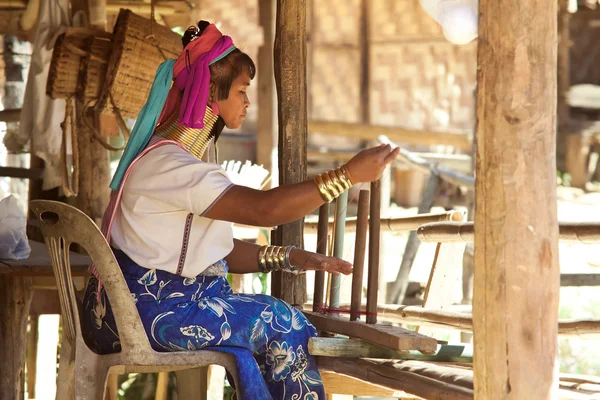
238, 19
336, 22
64, 67
423, 86
134, 60
94, 68
400, 19
334, 91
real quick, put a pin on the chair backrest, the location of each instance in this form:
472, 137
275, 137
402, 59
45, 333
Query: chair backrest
62, 225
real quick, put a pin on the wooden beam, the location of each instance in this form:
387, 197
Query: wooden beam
142, 8
570, 280
290, 78
569, 232
390, 376
342, 384
22, 173
266, 136
516, 286
460, 140
10, 22
392, 337
10, 115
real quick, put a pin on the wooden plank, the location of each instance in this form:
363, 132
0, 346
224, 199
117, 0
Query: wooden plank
392, 337
360, 247
266, 135
388, 376
38, 263
516, 284
10, 115
290, 78
22, 173
342, 384
341, 206
460, 140
356, 348
374, 248
443, 279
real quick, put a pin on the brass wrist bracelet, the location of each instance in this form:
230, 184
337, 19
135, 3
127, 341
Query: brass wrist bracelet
333, 183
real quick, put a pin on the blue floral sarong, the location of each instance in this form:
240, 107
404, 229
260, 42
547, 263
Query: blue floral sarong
268, 336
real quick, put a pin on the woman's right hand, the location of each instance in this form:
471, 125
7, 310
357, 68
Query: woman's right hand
368, 165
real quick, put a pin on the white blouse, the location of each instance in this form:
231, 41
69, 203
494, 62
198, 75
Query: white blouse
159, 223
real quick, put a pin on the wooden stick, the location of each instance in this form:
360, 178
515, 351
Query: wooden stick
374, 238
338, 247
396, 224
569, 232
371, 132
359, 252
321, 249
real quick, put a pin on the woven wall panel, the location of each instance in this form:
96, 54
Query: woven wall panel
238, 19
421, 86
400, 20
336, 22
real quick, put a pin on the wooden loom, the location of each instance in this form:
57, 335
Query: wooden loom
329, 319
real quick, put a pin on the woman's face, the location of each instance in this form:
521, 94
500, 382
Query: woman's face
233, 110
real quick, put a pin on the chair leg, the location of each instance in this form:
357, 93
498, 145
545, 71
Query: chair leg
192, 383
32, 343
91, 386
66, 371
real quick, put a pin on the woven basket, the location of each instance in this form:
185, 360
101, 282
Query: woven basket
94, 68
134, 60
64, 67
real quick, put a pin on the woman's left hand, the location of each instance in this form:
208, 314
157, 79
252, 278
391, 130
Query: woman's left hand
307, 260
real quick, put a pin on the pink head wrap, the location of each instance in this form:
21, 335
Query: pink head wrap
191, 74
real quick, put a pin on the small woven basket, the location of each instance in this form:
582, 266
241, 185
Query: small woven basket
139, 47
64, 67
94, 68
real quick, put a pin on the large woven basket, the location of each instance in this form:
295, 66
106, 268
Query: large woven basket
94, 68
64, 67
139, 47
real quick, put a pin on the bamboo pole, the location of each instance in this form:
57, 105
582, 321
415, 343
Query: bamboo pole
338, 247
374, 242
459, 140
322, 236
569, 232
359, 253
397, 224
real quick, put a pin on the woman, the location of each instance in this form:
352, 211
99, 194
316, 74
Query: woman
169, 223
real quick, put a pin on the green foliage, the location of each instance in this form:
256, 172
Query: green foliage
563, 179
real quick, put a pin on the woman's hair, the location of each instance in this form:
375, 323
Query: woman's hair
226, 70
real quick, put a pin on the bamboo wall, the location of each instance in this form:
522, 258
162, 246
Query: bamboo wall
417, 79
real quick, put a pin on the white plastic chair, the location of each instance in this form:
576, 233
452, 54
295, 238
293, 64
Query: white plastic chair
82, 373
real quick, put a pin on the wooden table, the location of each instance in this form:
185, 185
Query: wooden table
18, 278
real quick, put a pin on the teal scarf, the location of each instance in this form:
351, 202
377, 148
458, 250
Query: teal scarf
146, 121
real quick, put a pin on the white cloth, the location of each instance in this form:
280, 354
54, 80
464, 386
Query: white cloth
40, 115
165, 189
458, 18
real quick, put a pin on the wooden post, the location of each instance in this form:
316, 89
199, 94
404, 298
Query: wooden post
362, 223
322, 236
515, 315
374, 237
31, 354
563, 83
290, 77
94, 164
15, 299
266, 136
